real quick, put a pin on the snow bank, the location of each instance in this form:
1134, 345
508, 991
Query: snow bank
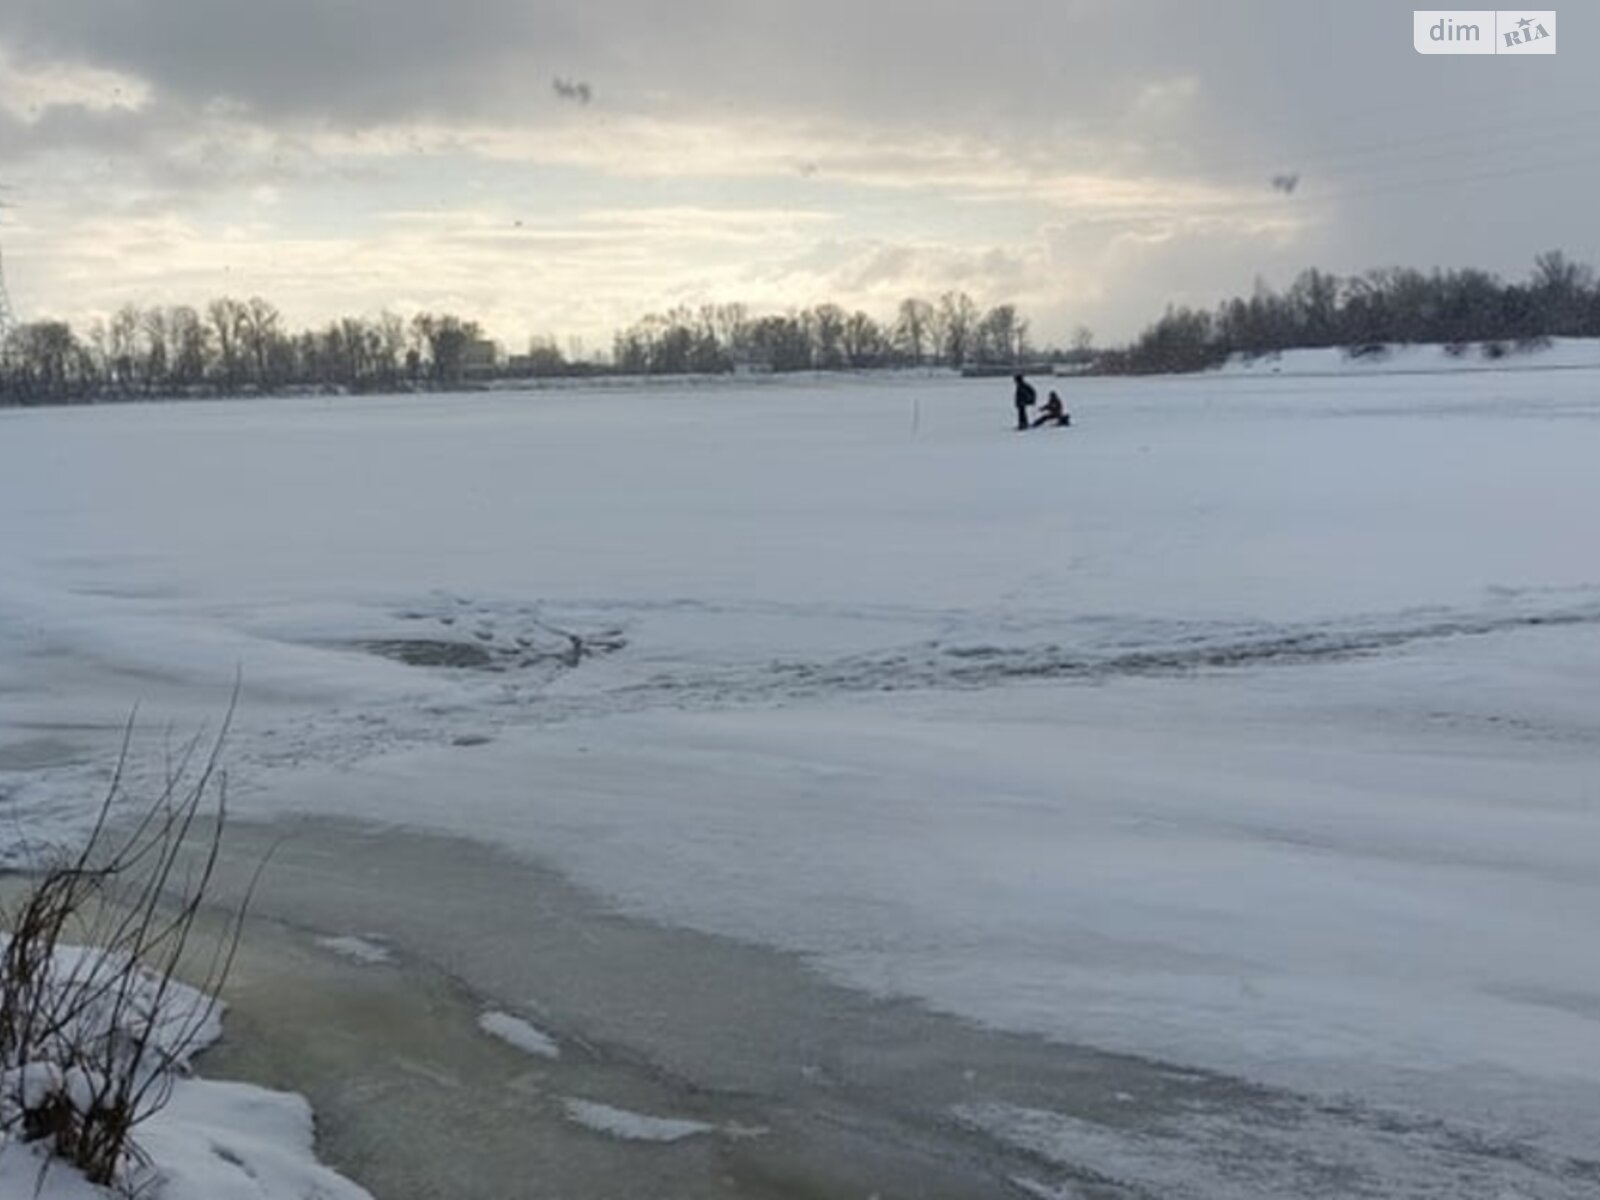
211, 1141
1559, 354
234, 1141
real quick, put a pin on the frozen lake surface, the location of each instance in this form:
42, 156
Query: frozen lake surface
1247, 726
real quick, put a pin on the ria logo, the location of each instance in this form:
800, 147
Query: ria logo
1484, 31
1527, 32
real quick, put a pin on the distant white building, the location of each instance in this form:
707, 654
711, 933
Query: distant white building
480, 356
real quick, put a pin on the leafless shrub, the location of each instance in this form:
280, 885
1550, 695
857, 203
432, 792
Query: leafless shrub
94, 1026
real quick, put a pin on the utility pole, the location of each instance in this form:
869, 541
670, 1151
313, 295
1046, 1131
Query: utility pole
8, 315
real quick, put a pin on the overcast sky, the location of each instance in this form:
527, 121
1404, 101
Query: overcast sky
1090, 160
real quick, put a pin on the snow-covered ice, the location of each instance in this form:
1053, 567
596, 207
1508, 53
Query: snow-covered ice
1249, 724
631, 1126
514, 1031
366, 951
1199, 1156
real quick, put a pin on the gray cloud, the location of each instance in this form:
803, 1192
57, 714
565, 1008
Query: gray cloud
1400, 158
1272, 78
1010, 61
359, 60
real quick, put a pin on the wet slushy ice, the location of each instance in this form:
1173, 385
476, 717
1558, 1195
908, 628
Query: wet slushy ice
803, 1088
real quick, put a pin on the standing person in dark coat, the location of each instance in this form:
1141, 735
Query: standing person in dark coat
1023, 400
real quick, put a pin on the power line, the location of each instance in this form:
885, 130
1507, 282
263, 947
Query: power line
1286, 205
1406, 185
1485, 139
1446, 121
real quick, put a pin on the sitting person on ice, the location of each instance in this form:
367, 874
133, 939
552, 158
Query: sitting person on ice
1053, 413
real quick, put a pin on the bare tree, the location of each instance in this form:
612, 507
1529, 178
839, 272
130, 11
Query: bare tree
259, 332
825, 324
122, 346
155, 360
47, 361
1560, 287
228, 322
863, 341
914, 329
390, 347
446, 337
1001, 336
190, 340
958, 319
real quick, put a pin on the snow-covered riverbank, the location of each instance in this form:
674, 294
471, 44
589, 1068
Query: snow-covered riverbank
1553, 354
209, 1140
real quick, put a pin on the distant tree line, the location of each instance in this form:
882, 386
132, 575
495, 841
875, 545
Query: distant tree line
243, 347
229, 347
233, 347
950, 331
1361, 313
